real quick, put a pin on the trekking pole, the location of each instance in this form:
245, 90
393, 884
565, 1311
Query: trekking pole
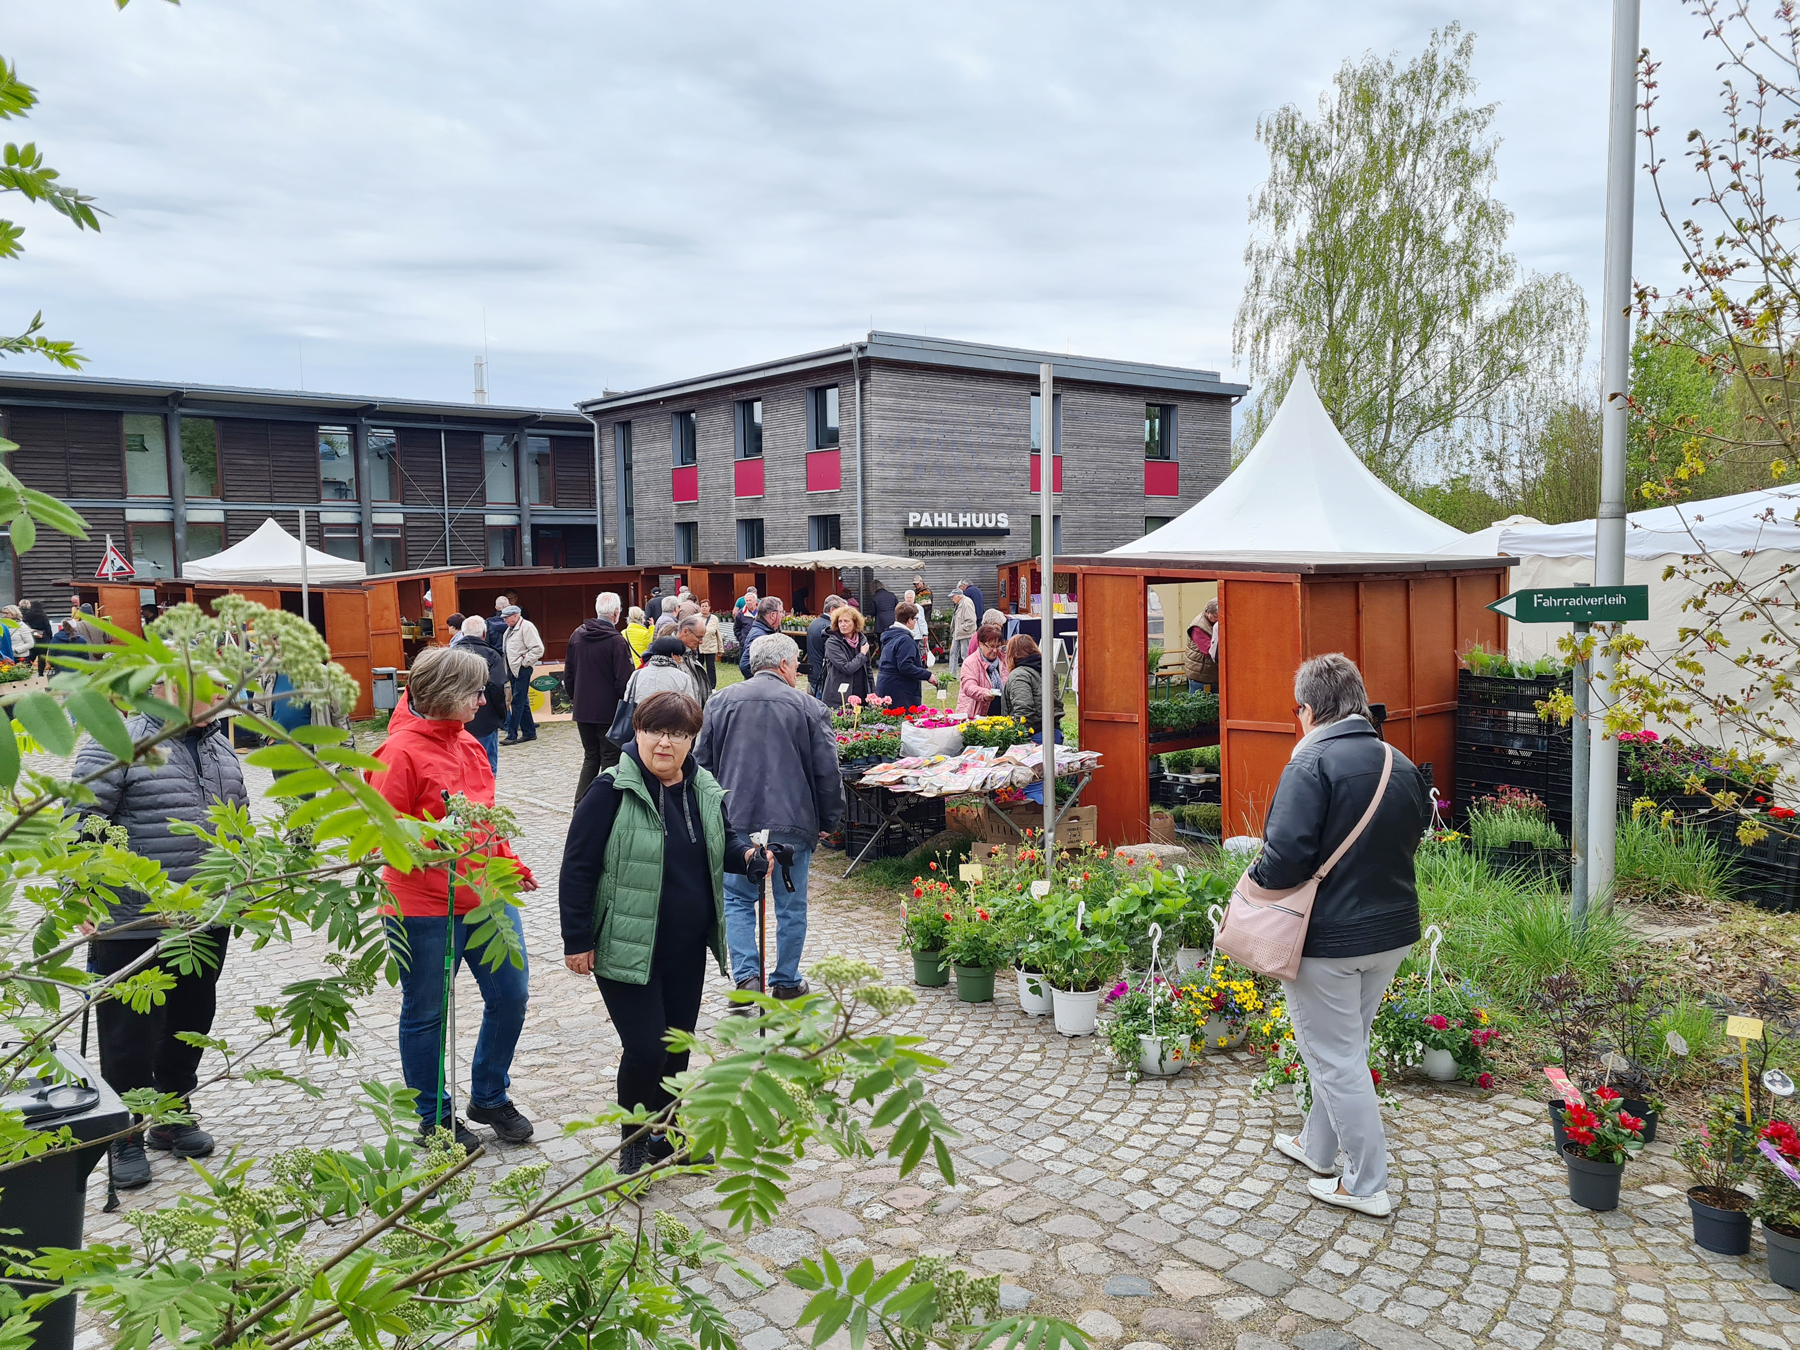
761, 840
445, 1044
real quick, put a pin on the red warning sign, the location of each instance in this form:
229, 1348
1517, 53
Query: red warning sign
114, 565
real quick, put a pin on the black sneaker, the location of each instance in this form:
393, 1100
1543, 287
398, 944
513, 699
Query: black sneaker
130, 1168
184, 1141
662, 1149
755, 985
633, 1156
786, 992
508, 1121
464, 1135
510, 740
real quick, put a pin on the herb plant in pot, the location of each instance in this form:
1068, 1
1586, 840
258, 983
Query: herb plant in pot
1081, 963
924, 928
1718, 1163
1777, 1202
1602, 1136
976, 951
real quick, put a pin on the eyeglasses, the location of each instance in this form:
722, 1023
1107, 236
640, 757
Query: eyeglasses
671, 737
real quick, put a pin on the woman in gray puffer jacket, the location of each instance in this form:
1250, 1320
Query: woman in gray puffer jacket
143, 1050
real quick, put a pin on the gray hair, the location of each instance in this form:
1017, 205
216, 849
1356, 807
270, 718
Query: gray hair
443, 679
665, 625
1332, 687
832, 602
670, 604
474, 626
772, 650
606, 605
690, 621
769, 606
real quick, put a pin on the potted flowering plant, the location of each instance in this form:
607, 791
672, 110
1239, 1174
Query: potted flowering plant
1777, 1201
1601, 1137
1227, 997
925, 927
1717, 1161
1152, 1028
976, 948
1444, 1031
1081, 960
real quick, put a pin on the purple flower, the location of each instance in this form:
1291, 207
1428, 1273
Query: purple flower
1119, 990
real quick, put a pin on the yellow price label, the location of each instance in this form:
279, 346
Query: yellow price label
1744, 1028
972, 872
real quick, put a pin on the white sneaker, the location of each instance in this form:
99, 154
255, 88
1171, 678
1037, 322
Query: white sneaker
1376, 1206
1286, 1143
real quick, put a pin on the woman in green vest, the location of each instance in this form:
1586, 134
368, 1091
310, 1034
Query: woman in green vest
643, 899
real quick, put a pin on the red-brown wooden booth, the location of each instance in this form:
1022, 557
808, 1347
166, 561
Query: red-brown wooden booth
1401, 619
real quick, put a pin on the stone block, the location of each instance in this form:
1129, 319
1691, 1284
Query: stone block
1208, 1254
1325, 1338
1318, 1304
1237, 1307
1129, 1286
1151, 1228
1000, 1261
830, 1223
783, 1246
1255, 1340
1013, 1298
1187, 1325
783, 1304
1100, 1325
1262, 1277
1386, 1335
1184, 1282
739, 1287
1072, 1225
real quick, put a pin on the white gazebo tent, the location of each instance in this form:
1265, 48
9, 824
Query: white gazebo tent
271, 555
1302, 489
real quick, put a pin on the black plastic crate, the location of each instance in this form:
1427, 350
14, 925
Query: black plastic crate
1528, 861
1493, 691
870, 806
1520, 738
900, 839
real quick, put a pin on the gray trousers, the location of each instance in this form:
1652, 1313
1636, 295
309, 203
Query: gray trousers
959, 649
1332, 1003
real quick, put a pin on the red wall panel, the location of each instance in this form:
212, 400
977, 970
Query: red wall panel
747, 478
684, 483
1162, 478
1055, 474
823, 471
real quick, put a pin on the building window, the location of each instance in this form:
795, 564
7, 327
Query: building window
1159, 431
750, 539
503, 546
540, 474
1037, 423
204, 538
824, 417
337, 465
146, 456
749, 428
497, 451
384, 465
152, 547
390, 549
682, 434
344, 541
1037, 536
687, 541
627, 511
200, 461
824, 532
1155, 523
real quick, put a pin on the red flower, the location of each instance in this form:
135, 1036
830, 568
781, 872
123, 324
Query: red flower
918, 893
1606, 1094
1485, 1080
1437, 1022
982, 914
1578, 1117
1783, 1136
1375, 1075
1130, 861
1781, 812
1627, 1121
933, 866
1578, 1135
947, 918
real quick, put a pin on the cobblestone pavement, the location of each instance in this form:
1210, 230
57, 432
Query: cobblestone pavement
1153, 1216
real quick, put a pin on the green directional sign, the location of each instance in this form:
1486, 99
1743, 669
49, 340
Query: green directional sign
1576, 604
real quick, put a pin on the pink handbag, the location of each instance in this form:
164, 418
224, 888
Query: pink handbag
1266, 930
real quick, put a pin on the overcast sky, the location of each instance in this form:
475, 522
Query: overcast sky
334, 194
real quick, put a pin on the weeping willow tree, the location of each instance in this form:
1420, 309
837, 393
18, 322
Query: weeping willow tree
1378, 254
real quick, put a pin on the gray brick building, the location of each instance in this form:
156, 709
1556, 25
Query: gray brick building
915, 446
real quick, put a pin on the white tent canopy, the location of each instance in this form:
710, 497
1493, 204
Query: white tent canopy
1302, 489
1486, 543
841, 559
1749, 522
272, 555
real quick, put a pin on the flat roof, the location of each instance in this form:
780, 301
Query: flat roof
1311, 564
51, 387
947, 353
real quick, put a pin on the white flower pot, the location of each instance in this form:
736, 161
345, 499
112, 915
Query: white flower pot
1155, 1056
1439, 1066
1034, 993
1219, 1034
1189, 958
1075, 1012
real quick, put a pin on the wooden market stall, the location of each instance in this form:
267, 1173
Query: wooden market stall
1402, 619
800, 589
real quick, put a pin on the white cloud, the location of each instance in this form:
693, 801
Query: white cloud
639, 192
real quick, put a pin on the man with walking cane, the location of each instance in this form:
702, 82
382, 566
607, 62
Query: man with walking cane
773, 751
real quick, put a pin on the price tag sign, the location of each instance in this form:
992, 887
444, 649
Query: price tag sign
1567, 1090
974, 873
1039, 889
1774, 1155
1744, 1028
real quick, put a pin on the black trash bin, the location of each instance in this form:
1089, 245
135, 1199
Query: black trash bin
47, 1200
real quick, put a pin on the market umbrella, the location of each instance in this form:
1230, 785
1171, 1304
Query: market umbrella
834, 558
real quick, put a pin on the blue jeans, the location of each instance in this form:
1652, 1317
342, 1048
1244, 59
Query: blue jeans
1195, 687
518, 717
789, 918
503, 996
491, 744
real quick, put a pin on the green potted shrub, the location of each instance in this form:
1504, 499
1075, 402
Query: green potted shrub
1718, 1163
1152, 1028
1081, 962
1601, 1136
925, 927
1777, 1202
976, 948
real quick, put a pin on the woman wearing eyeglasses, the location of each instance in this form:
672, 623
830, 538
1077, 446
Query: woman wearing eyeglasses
643, 899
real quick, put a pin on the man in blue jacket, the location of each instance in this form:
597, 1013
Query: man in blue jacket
902, 669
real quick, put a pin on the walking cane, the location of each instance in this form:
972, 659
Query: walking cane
446, 1037
761, 839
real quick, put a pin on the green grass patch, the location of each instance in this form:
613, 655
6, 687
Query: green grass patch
1668, 862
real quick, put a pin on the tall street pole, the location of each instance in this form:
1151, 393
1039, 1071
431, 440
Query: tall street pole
1615, 360
1046, 587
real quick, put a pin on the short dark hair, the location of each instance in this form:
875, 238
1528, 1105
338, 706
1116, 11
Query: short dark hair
905, 613
769, 604
988, 632
454, 623
668, 711
1332, 687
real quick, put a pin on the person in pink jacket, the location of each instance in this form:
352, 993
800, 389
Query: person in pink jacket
982, 677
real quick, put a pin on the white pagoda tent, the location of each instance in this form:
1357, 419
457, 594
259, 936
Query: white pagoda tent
1302, 490
272, 555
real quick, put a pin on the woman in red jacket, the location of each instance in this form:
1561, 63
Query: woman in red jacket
429, 752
